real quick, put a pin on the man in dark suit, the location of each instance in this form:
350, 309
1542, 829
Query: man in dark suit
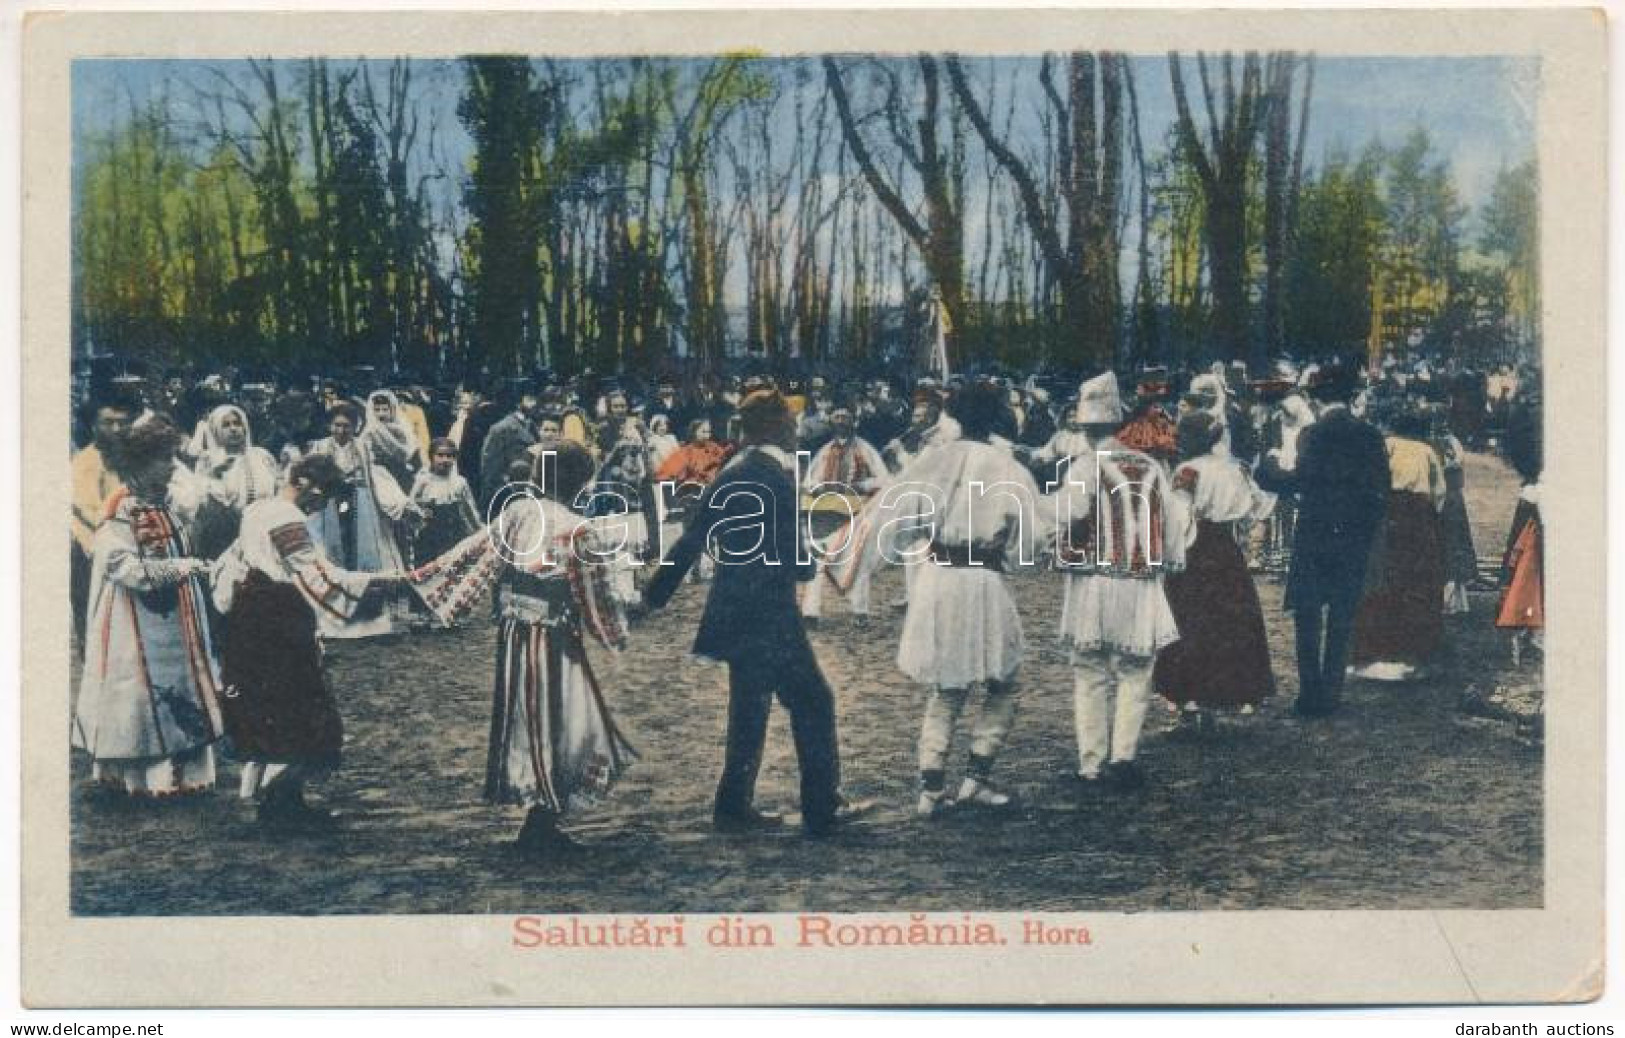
1341, 483
749, 521
508, 441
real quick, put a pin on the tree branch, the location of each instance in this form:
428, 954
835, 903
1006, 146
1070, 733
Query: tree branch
854, 143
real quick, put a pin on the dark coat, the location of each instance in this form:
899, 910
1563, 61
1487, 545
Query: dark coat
752, 611
506, 443
475, 428
1341, 483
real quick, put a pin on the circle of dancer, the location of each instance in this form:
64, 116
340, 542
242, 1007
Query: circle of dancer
224, 530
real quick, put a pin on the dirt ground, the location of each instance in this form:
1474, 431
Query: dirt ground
1405, 800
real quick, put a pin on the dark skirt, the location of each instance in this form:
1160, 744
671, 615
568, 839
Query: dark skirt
1222, 657
277, 706
444, 527
1401, 618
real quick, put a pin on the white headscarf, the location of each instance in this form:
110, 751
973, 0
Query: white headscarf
252, 472
391, 441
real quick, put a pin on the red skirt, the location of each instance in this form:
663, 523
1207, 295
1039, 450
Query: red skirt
1401, 618
1523, 602
1222, 657
277, 706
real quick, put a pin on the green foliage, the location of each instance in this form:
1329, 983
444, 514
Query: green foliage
1341, 229
608, 212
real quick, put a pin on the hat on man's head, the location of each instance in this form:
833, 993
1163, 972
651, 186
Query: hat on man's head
1100, 402
764, 416
1334, 383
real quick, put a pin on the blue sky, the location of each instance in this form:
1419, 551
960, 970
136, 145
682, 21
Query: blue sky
1479, 111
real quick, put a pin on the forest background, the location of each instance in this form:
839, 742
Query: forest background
1062, 212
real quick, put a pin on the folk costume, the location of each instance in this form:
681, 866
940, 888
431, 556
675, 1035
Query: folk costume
1222, 657
148, 711
902, 451
622, 497
697, 461
392, 441
553, 741
273, 585
554, 746
844, 474
964, 514
1118, 543
1401, 619
231, 479
1151, 432
1522, 609
92, 483
357, 532
1460, 557
449, 512
662, 442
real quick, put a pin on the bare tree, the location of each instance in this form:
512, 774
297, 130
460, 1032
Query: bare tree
1221, 165
1283, 173
939, 235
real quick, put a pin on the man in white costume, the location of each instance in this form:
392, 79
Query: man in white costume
959, 516
1115, 616
928, 427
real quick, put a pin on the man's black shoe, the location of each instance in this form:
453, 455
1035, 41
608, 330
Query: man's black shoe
846, 812
1313, 709
745, 821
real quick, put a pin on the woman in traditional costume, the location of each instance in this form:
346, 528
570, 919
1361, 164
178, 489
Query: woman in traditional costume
272, 586
1222, 657
1460, 557
356, 527
390, 438
554, 746
662, 441
1522, 609
234, 474
148, 710
622, 499
1401, 619
445, 501
698, 460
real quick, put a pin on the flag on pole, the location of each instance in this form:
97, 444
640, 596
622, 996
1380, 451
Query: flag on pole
937, 366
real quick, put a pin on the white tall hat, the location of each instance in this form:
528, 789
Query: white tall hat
1099, 401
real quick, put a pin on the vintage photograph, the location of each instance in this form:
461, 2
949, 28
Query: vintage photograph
853, 479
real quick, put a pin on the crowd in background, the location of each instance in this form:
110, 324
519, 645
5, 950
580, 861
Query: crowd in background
1350, 478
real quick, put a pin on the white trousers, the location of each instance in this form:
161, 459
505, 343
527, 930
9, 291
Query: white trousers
1108, 730
812, 596
942, 712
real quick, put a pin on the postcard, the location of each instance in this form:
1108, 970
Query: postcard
813, 507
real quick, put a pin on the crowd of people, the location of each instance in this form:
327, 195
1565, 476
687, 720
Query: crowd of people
224, 528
